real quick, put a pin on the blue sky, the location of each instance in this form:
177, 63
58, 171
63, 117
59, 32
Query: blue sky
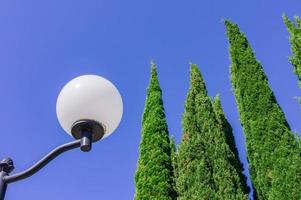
44, 44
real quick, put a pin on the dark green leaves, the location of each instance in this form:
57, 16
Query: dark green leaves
154, 176
295, 38
273, 151
204, 168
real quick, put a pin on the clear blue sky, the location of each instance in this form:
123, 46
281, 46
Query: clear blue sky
44, 44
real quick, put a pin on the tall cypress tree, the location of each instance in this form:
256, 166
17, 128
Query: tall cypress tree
295, 39
154, 176
204, 168
228, 131
273, 150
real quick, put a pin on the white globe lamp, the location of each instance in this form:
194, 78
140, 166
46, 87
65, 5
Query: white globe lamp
89, 106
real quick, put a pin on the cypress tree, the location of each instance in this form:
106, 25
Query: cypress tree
228, 131
273, 150
154, 175
295, 40
204, 168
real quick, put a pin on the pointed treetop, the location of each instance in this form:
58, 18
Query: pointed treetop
196, 80
154, 82
234, 34
217, 104
153, 63
153, 69
204, 167
285, 18
273, 152
227, 129
218, 109
217, 99
154, 175
291, 25
294, 28
231, 25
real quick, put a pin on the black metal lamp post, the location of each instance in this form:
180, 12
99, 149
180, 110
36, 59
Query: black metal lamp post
89, 108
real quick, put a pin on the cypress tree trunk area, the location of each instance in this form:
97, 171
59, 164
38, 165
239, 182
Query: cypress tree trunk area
174, 163
228, 131
204, 170
295, 39
273, 150
154, 175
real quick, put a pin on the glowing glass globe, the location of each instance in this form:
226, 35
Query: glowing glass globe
90, 99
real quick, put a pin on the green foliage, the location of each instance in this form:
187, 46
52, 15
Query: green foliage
204, 170
154, 176
174, 162
295, 40
227, 128
273, 150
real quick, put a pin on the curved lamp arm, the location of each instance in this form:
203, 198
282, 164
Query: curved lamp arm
41, 163
6, 165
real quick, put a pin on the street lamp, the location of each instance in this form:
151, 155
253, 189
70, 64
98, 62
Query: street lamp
89, 108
